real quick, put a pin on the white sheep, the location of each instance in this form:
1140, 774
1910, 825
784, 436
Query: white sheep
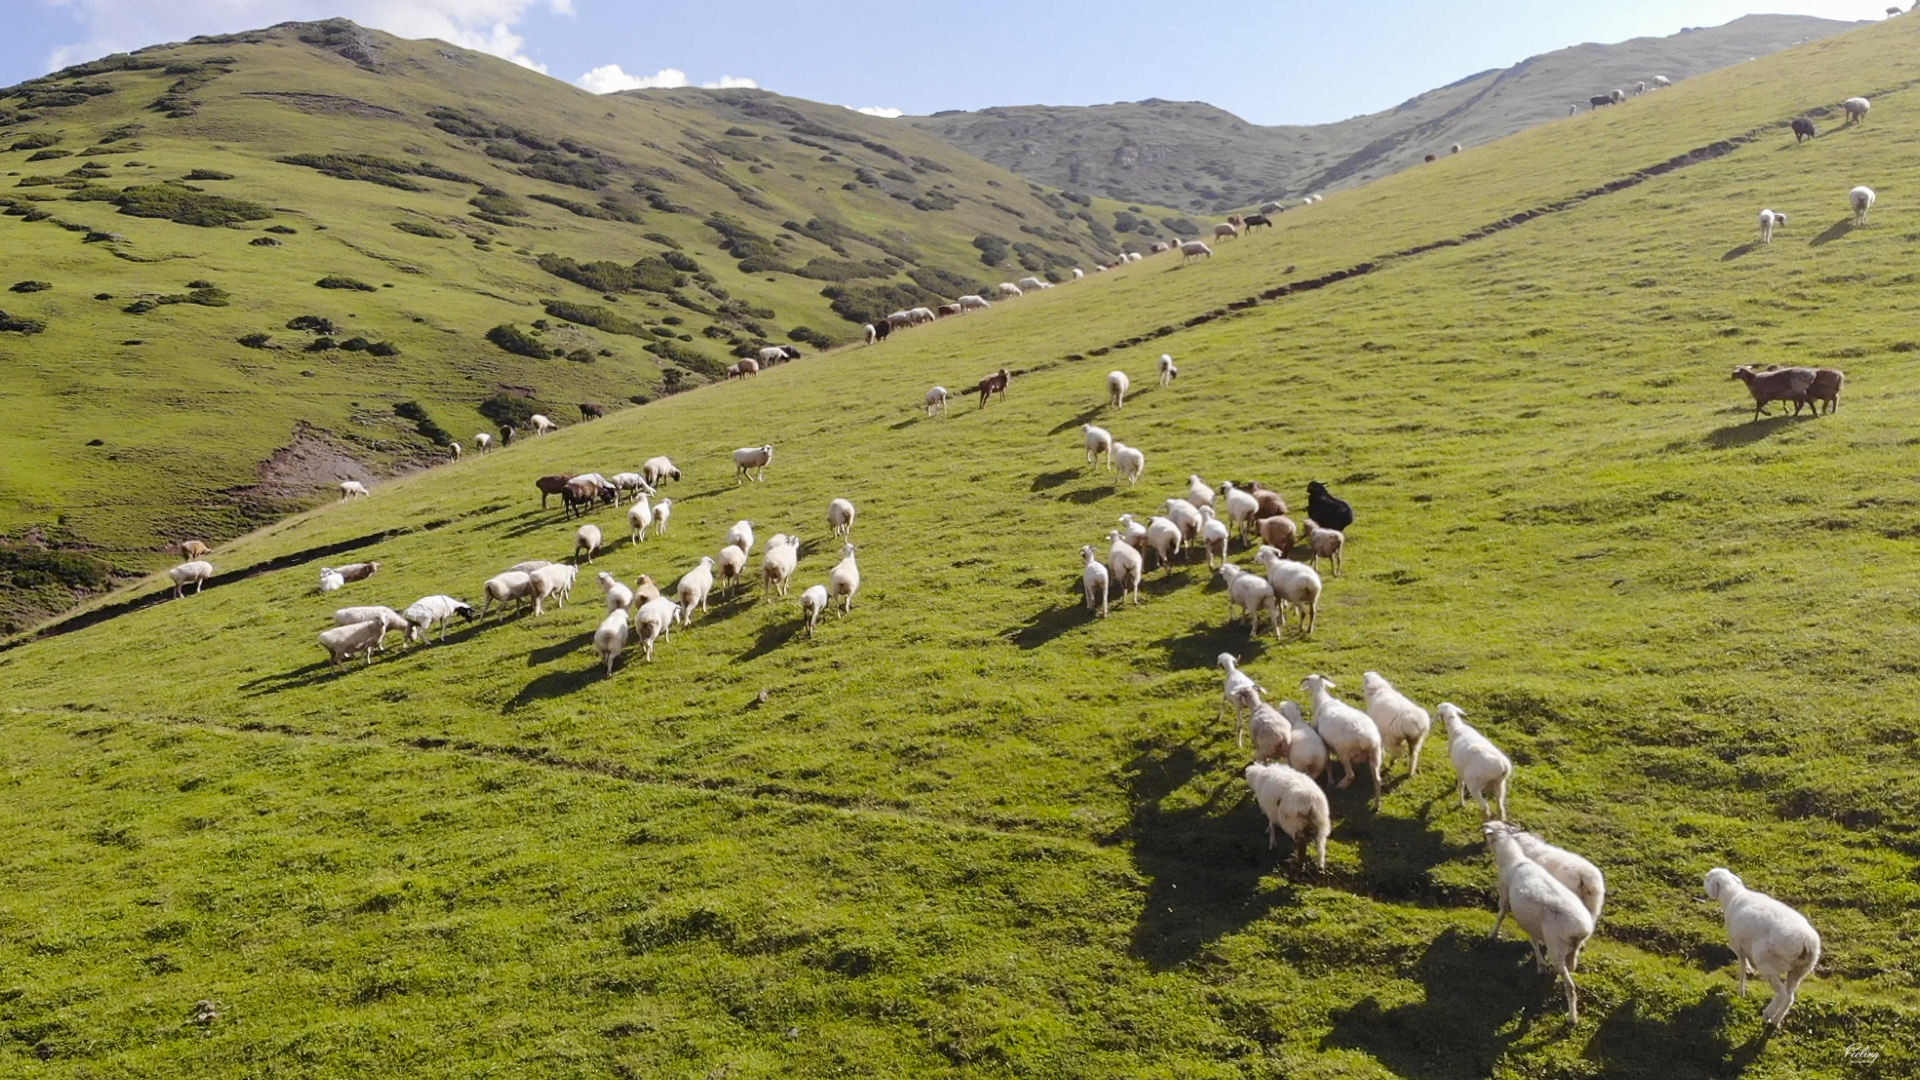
1130, 461
1349, 733
748, 458
974, 302
1768, 938
1230, 686
777, 564
586, 540
1163, 536
1226, 231
527, 567
1555, 921
813, 602
1093, 580
453, 451
1117, 385
1768, 219
551, 583
639, 516
540, 424
732, 563
1186, 515
1861, 199
1242, 508
1077, 275
1306, 750
438, 608
610, 639
1194, 249
1324, 543
1009, 291
658, 470
1661, 82
331, 580
1272, 734
1135, 532
619, 597
937, 401
654, 621
1214, 535
341, 642
1199, 494
694, 586
624, 482
379, 613
352, 489
1479, 764
1293, 804
740, 535
483, 440
195, 573
1856, 109
1031, 283
512, 585
1296, 585
844, 579
1401, 722
1581, 877
840, 515
1125, 564
1168, 372
1099, 441
1252, 594
662, 513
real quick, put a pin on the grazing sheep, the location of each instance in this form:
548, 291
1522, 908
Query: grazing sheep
653, 621
512, 585
1258, 221
551, 583
1199, 492
619, 597
1168, 372
662, 513
1129, 460
1117, 385
1077, 275
1328, 511
540, 424
195, 573
639, 516
1163, 536
1803, 129
644, 589
583, 492
342, 642
732, 562
1661, 82
1294, 804
749, 458
359, 571
439, 608
1768, 938
778, 562
453, 451
1328, 544
1194, 249
949, 310
1455, 148
694, 586
1251, 593
527, 567
741, 536
194, 549
1781, 384
633, 482
1009, 291
1227, 231
379, 613
1598, 100
1242, 508
1230, 686
770, 356
506, 435
330, 580
1581, 877
586, 540
1295, 585
610, 639
974, 302
1856, 109
1272, 735
1306, 750
1093, 580
1618, 96
1554, 920
483, 440
844, 579
937, 401
1861, 199
1768, 219
868, 334
743, 369
1099, 441
1573, 110
840, 515
590, 410
1031, 283
1401, 722
352, 489
659, 470
1479, 765
813, 602
1214, 535
1350, 734
1431, 158
1126, 565
995, 383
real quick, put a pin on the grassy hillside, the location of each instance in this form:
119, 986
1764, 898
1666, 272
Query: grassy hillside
185, 205
1208, 161
967, 830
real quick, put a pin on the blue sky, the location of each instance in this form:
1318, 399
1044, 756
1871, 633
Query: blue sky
1271, 62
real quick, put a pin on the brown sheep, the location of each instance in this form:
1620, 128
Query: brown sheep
1278, 531
995, 382
1826, 387
194, 549
359, 571
1785, 384
644, 590
1271, 502
555, 484
1324, 543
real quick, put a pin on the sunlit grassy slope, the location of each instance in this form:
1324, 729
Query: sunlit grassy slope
184, 413
968, 831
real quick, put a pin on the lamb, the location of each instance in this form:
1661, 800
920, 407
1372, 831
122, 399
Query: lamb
777, 564
483, 440
1781, 384
512, 585
937, 401
1099, 441
1199, 492
1328, 544
551, 583
662, 513
844, 580
813, 602
1349, 733
610, 639
1168, 372
732, 562
619, 597
1009, 291
385, 616
342, 642
1401, 722
1271, 732
586, 540
352, 489
694, 586
625, 482
1581, 877
1306, 750
1856, 109
639, 516
439, 608
1194, 249
974, 302
330, 581
1126, 564
659, 470
1136, 533
840, 515
1230, 687
1803, 129
1768, 219
1093, 580
654, 621
1295, 585
1117, 385
194, 549
1768, 938
1214, 535
1293, 804
1251, 593
1479, 765
741, 536
1163, 536
540, 424
1330, 512
1861, 199
748, 458
644, 589
1129, 460
1242, 508
195, 573
743, 369
1554, 920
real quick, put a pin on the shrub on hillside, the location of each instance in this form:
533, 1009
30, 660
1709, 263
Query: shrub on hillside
38, 140
1180, 227
807, 335
383, 348
691, 359
30, 286
597, 317
283, 230
257, 341
337, 281
48, 155
424, 424
421, 228
32, 567
664, 241
376, 170
312, 324
515, 340
510, 410
208, 174
495, 201
17, 325
179, 203
993, 249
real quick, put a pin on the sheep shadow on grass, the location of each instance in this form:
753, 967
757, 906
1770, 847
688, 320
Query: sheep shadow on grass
1081, 420
774, 635
1745, 433
1736, 252
1689, 1041
1052, 622
1834, 232
316, 672
547, 654
1089, 496
1397, 852
559, 684
1047, 481
1464, 1022
1201, 646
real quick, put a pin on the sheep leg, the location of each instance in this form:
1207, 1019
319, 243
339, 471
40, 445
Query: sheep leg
1413, 756
1742, 960
1573, 997
1348, 771
1499, 917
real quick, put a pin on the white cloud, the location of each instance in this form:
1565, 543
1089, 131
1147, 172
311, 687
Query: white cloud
608, 78
122, 25
876, 110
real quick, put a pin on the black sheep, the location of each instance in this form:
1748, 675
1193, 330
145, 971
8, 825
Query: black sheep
1325, 510
1803, 129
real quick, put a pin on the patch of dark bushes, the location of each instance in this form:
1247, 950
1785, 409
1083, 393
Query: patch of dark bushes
208, 174
423, 423
179, 203
650, 274
691, 359
312, 324
337, 281
375, 170
517, 341
18, 325
48, 155
257, 341
511, 410
30, 286
38, 140
32, 567
283, 230
421, 228
597, 317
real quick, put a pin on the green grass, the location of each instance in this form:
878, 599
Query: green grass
966, 830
